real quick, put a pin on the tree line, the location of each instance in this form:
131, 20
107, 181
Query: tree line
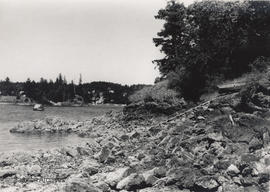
212, 41
60, 90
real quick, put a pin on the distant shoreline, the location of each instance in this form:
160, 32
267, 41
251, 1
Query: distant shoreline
85, 105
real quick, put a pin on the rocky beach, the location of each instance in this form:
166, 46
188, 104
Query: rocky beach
221, 145
82, 108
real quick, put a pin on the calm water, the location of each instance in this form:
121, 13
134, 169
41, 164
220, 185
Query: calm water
10, 115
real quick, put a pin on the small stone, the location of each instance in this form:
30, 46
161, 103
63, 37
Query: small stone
215, 136
201, 118
89, 170
247, 171
255, 144
124, 137
248, 181
70, 152
233, 188
237, 180
158, 172
153, 175
103, 186
79, 184
120, 153
232, 170
266, 138
267, 160
140, 156
164, 189
34, 170
84, 151
134, 134
103, 155
251, 189
7, 173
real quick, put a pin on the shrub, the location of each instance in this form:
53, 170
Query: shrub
158, 93
260, 64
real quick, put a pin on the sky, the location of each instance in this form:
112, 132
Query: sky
104, 40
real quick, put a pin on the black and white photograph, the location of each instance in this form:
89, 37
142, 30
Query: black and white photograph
134, 96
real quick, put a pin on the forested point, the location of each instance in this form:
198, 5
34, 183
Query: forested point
209, 42
60, 90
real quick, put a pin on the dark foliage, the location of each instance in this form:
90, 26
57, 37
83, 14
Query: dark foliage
60, 90
211, 40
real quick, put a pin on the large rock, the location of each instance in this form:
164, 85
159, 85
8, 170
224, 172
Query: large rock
149, 178
132, 182
207, 183
114, 177
183, 177
103, 186
153, 175
79, 185
89, 167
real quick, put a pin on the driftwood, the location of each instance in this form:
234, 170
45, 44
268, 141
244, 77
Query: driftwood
231, 119
230, 87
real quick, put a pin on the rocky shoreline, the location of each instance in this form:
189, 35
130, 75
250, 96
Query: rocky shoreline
216, 146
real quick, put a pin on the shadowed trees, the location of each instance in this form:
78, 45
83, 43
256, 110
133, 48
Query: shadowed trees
210, 41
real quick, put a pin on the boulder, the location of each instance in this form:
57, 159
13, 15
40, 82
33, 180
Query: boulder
207, 183
103, 186
132, 182
183, 177
89, 167
79, 185
149, 178
153, 175
114, 177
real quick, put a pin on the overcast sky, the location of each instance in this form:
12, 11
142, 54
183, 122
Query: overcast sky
108, 40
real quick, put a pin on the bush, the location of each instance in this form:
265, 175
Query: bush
157, 93
154, 100
260, 64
